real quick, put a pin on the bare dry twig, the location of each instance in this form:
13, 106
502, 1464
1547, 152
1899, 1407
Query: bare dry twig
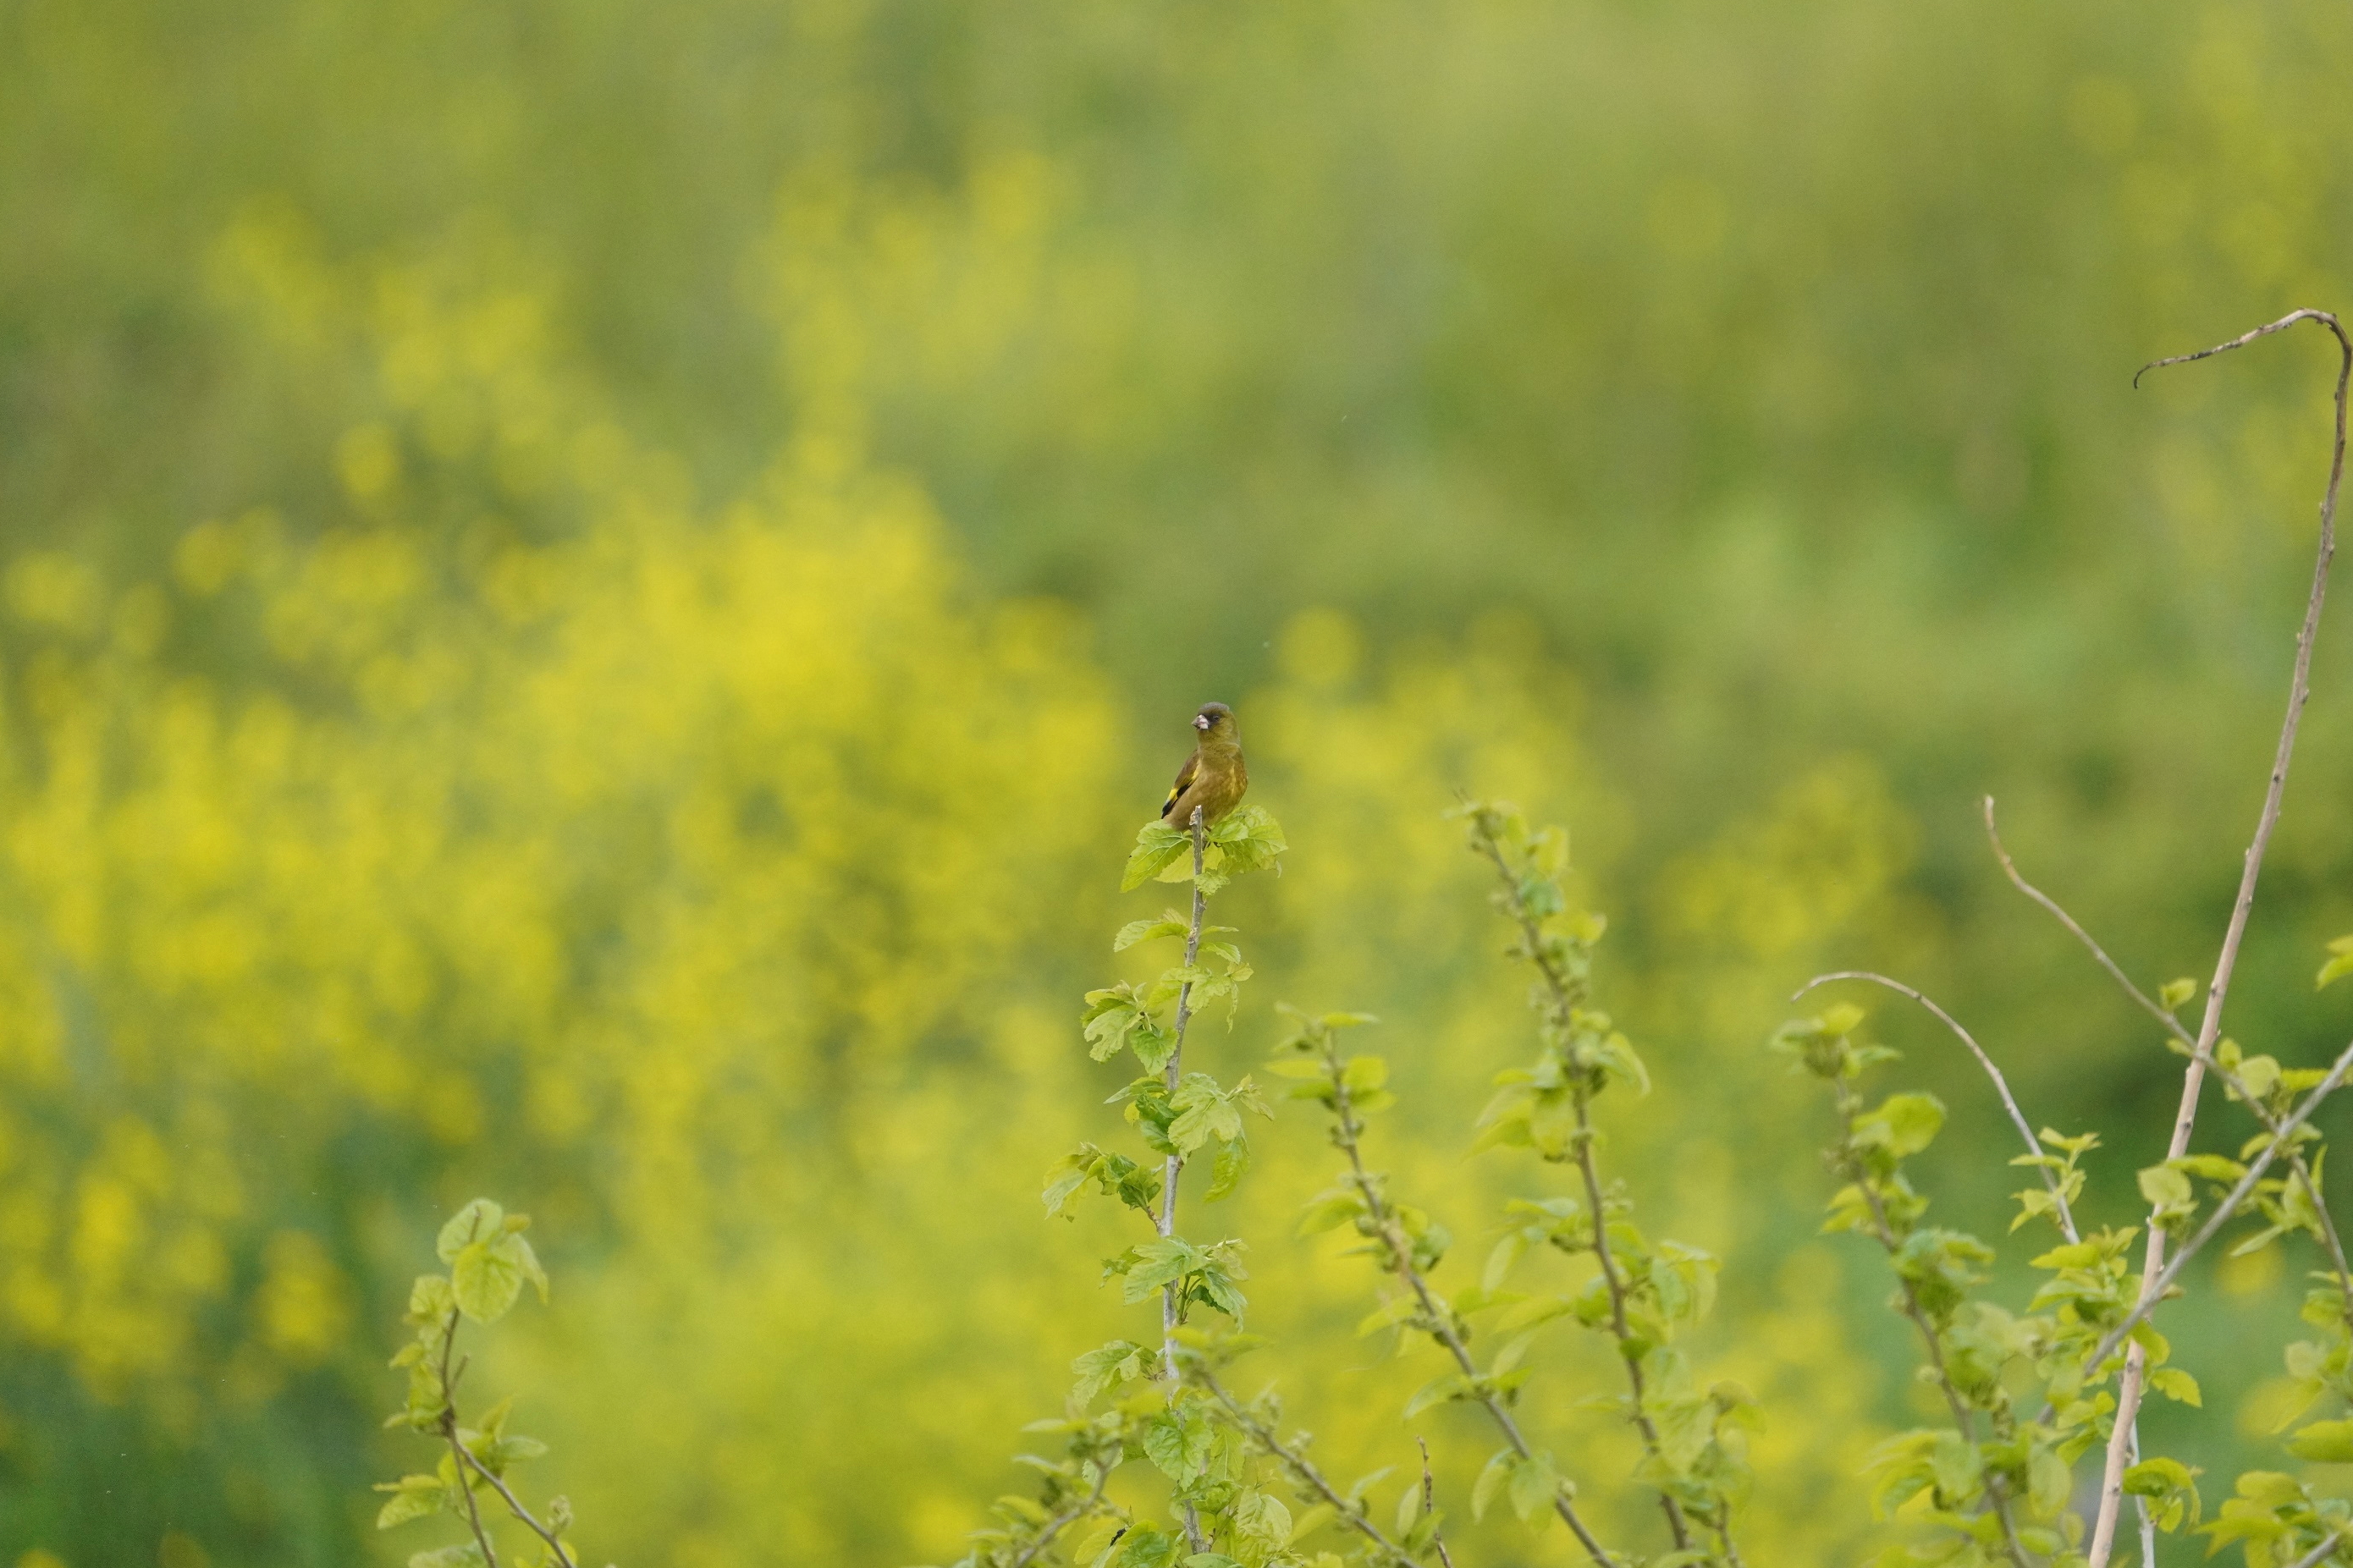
2129, 1388
2000, 1084
1429, 1500
2312, 1559
2173, 1026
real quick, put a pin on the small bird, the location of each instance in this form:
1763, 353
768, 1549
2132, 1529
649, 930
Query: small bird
1213, 777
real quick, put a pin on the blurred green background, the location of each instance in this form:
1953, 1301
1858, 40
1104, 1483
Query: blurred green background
590, 595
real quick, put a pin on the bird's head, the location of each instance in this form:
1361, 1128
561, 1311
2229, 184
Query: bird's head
1215, 723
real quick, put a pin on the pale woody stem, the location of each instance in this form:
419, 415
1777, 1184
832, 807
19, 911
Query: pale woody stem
2128, 1391
1166, 1221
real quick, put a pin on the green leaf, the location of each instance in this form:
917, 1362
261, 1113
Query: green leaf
1903, 1124
2260, 1074
2323, 1443
2082, 1143
2155, 1478
2048, 1483
1161, 1261
2340, 964
1157, 847
1169, 924
1164, 1444
1492, 1479
486, 1276
1226, 1174
1147, 1547
1067, 1176
1250, 838
478, 1221
1123, 1017
413, 1497
1330, 1211
1438, 1391
2174, 992
2177, 1385
1533, 1485
2165, 1187
1840, 1018
2174, 1485
429, 1300
1262, 1518
467, 1556
1959, 1469
1122, 1361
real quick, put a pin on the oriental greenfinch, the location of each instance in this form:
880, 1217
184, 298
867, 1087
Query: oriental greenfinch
1213, 778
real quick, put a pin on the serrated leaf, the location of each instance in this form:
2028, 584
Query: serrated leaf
1133, 932
1157, 847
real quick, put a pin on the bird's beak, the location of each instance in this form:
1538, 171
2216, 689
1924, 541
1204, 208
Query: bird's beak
1200, 722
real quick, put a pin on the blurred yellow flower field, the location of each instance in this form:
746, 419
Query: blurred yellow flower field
591, 598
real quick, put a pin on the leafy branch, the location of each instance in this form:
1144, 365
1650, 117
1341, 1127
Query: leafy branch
1151, 1411
489, 1262
1645, 1291
1406, 1244
1347, 1508
1932, 1266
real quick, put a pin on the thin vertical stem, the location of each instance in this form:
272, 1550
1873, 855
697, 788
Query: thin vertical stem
1167, 1220
459, 1455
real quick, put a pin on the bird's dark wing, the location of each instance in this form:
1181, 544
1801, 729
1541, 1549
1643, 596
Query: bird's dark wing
1184, 778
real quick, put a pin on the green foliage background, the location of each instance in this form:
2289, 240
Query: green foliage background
593, 595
